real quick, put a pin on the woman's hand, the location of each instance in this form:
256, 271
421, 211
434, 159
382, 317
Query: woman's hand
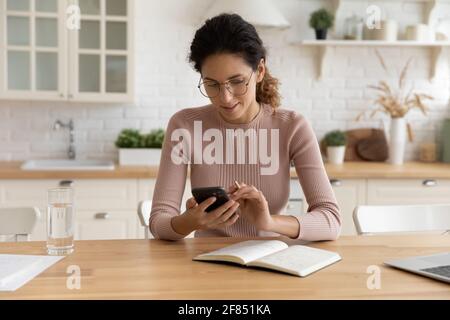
253, 205
221, 217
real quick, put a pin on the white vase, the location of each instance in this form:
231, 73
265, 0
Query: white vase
336, 155
139, 157
397, 141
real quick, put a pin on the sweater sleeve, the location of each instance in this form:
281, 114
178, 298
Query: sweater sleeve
323, 219
169, 187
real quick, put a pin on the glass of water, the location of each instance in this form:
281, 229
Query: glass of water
60, 221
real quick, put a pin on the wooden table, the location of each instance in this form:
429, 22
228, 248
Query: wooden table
153, 269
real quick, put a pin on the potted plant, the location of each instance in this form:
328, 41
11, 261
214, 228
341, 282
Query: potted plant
335, 142
139, 149
396, 101
321, 20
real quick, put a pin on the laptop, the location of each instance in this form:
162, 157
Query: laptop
435, 266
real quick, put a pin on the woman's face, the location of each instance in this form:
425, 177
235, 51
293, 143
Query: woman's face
232, 69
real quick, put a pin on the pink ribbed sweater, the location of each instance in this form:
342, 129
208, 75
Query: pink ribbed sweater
297, 143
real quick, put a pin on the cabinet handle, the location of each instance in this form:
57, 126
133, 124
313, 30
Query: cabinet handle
429, 183
70, 96
61, 95
102, 216
335, 182
66, 183
290, 205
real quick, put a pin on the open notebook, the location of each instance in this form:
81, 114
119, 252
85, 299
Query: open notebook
274, 254
17, 270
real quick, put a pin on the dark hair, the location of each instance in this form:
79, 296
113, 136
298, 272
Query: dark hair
229, 33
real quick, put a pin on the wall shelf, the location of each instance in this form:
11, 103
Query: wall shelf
326, 50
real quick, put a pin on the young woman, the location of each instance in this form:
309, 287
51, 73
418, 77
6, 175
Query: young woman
231, 60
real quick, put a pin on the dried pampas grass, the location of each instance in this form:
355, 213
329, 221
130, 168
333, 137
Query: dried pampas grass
393, 102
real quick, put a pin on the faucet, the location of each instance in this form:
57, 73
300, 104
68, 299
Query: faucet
61, 125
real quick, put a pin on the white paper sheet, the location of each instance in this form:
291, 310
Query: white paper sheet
17, 270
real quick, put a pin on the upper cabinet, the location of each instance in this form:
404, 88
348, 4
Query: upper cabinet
73, 50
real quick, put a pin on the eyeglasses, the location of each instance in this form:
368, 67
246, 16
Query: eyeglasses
237, 87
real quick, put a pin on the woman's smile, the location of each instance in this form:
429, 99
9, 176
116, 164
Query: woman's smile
231, 108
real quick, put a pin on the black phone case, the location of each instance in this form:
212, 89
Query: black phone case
201, 194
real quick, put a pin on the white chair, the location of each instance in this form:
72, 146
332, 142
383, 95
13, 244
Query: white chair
144, 209
402, 218
18, 222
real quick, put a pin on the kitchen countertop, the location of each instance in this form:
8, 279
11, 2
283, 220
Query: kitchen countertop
349, 170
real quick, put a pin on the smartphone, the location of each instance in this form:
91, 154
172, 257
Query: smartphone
201, 194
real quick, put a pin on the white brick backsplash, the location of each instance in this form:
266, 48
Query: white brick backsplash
50, 146
331, 104
346, 93
343, 115
103, 135
166, 82
148, 125
121, 124
141, 112
88, 124
25, 136
16, 146
99, 112
4, 136
4, 114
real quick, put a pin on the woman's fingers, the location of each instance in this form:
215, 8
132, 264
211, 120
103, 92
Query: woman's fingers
228, 214
216, 213
246, 192
205, 204
229, 222
191, 203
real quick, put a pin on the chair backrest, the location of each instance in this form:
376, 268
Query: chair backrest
402, 218
18, 222
144, 209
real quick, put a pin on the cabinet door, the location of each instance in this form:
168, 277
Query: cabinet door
296, 200
105, 225
349, 194
115, 194
101, 52
92, 199
408, 191
28, 193
33, 49
106, 209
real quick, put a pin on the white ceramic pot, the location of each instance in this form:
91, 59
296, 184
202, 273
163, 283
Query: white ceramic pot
419, 32
139, 157
336, 155
387, 32
397, 141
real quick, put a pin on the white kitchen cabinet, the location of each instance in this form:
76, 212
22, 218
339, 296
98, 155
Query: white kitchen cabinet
44, 56
408, 191
296, 200
349, 194
17, 193
108, 206
33, 49
105, 224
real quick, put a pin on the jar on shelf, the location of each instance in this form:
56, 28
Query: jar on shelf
353, 28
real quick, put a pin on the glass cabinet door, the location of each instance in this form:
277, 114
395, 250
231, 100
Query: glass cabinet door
103, 51
34, 49
42, 58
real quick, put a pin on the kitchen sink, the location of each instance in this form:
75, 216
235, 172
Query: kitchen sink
66, 164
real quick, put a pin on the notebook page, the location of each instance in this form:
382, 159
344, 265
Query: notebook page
249, 250
298, 260
16, 270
